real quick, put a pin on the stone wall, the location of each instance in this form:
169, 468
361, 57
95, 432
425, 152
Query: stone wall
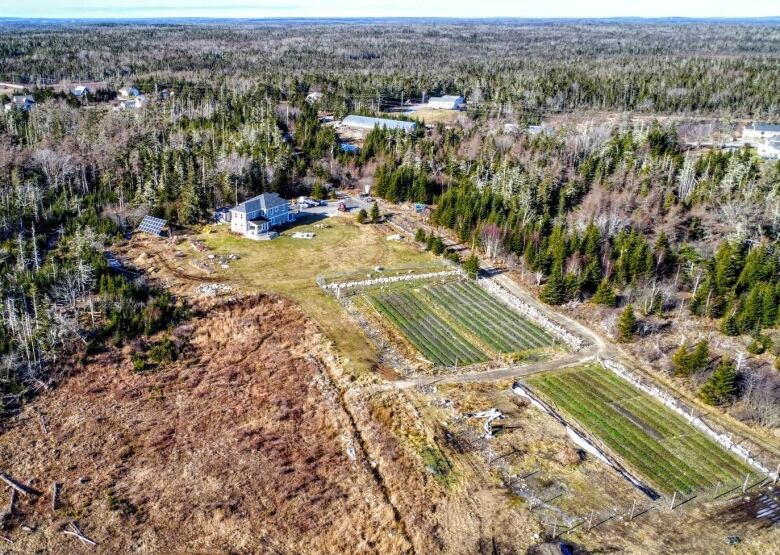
533, 314
673, 404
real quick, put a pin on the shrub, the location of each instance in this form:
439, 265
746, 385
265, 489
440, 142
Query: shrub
471, 266
362, 216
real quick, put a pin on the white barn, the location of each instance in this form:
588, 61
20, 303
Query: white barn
446, 102
367, 123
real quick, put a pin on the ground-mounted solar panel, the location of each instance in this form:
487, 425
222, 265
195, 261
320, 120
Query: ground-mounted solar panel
152, 225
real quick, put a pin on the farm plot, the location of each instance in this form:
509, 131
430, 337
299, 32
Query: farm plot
655, 442
495, 324
429, 334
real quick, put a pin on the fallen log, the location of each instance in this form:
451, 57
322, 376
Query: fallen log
19, 486
74, 531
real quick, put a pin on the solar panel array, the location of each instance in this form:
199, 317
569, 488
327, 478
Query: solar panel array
152, 225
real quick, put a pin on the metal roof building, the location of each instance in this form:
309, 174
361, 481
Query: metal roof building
365, 122
446, 102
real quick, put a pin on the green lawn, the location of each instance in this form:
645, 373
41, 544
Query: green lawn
656, 443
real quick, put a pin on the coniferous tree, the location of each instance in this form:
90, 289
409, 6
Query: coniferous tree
554, 290
605, 294
722, 386
362, 216
375, 215
471, 266
627, 325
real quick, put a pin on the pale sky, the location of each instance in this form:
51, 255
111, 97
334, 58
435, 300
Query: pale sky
386, 8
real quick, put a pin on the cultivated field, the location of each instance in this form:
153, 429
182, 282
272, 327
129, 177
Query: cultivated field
456, 322
432, 336
494, 323
655, 442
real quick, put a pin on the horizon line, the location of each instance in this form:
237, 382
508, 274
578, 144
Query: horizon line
391, 17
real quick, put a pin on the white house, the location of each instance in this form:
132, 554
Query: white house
23, 102
128, 92
255, 217
446, 102
760, 131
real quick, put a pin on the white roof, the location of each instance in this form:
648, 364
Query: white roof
446, 98
365, 122
771, 127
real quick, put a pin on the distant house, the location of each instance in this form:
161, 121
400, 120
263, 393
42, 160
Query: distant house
447, 102
255, 217
760, 131
313, 97
24, 102
128, 92
81, 91
136, 103
367, 123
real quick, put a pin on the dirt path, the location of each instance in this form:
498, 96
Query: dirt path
506, 373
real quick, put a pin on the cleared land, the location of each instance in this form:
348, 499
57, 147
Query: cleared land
456, 322
655, 442
239, 446
290, 267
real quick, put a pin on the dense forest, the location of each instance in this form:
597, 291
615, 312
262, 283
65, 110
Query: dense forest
689, 68
616, 214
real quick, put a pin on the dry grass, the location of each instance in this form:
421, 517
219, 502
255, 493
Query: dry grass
240, 448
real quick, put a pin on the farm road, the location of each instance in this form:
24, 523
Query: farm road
506, 373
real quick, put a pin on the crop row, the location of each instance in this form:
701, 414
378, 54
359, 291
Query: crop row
427, 332
673, 427
496, 325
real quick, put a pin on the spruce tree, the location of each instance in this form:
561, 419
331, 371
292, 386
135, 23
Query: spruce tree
722, 385
471, 266
362, 216
375, 213
604, 294
627, 325
554, 291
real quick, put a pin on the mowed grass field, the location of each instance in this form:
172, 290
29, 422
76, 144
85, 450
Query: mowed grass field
290, 267
656, 443
456, 322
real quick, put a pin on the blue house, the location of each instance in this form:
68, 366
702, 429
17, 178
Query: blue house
257, 216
